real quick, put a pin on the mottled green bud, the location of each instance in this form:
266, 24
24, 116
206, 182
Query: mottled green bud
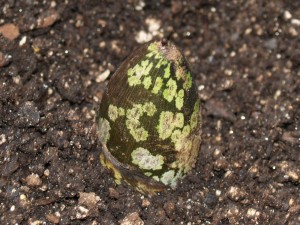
149, 120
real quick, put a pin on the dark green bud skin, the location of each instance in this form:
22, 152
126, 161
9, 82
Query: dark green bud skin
149, 120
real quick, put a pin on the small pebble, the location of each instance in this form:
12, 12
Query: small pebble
295, 22
288, 136
23, 41
140, 5
81, 212
293, 32
252, 213
47, 19
113, 193
46, 172
103, 76
10, 31
143, 37
235, 193
12, 208
4, 59
52, 218
88, 199
221, 164
287, 15
145, 203
2, 139
132, 219
169, 207
153, 25
33, 180
35, 222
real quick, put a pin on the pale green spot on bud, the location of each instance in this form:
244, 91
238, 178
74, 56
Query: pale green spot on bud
179, 99
186, 130
157, 85
153, 47
162, 62
179, 144
155, 178
179, 103
145, 160
176, 135
170, 92
147, 82
149, 108
137, 132
167, 71
130, 72
195, 115
154, 51
178, 73
180, 93
150, 54
148, 174
146, 66
121, 111
168, 122
133, 116
168, 177
132, 124
179, 120
115, 112
133, 81
145, 63
188, 81
165, 126
157, 56
104, 128
186, 76
179, 138
136, 112
139, 71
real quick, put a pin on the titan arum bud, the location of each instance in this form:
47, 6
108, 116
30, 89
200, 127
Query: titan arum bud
149, 121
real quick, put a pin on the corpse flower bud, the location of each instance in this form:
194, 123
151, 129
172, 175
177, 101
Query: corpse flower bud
149, 121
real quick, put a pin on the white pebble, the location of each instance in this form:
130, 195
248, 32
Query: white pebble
2, 139
287, 15
23, 41
295, 22
12, 208
103, 76
143, 37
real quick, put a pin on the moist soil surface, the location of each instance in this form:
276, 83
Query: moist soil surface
56, 58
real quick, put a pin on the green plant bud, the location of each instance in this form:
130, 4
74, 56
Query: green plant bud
149, 121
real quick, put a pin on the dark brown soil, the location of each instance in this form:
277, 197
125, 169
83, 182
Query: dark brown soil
54, 56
